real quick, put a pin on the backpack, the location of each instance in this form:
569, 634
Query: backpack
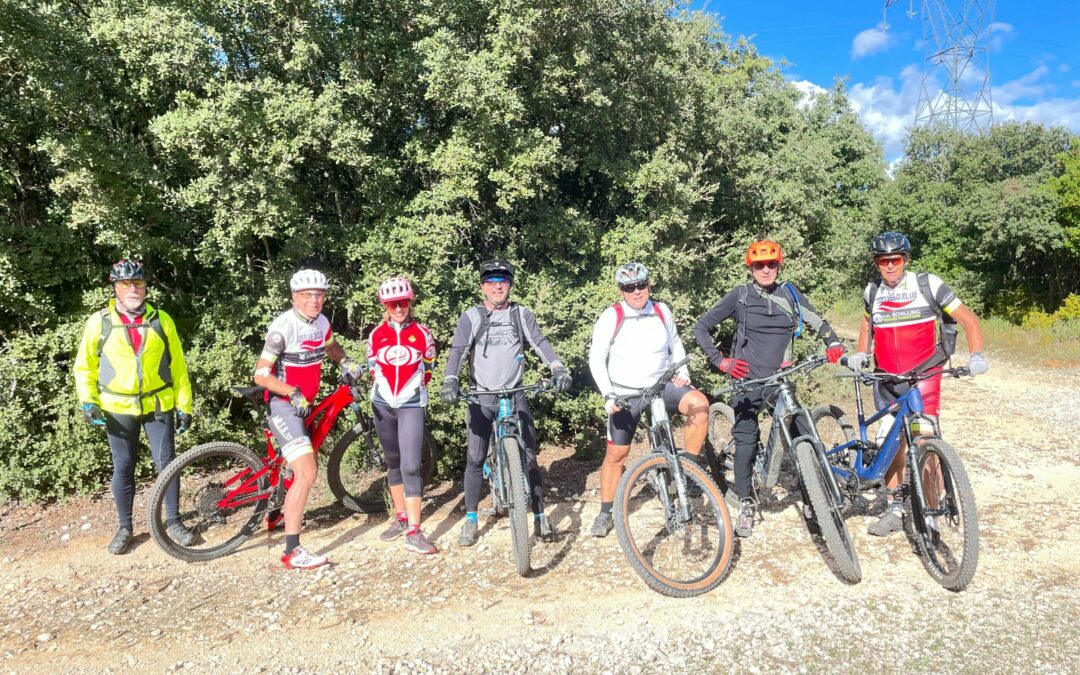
155, 324
946, 324
485, 326
620, 316
740, 314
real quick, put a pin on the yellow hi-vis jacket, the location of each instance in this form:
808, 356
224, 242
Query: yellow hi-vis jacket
122, 382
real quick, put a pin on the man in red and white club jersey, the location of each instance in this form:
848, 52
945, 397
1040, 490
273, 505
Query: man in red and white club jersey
903, 311
290, 367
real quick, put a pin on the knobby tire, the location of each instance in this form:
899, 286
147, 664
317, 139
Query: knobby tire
830, 521
653, 469
961, 526
519, 504
199, 484
356, 471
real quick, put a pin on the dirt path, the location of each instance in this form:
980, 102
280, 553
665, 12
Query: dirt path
71, 607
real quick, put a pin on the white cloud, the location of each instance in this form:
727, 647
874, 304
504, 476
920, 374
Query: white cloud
999, 33
1031, 85
871, 41
809, 91
888, 109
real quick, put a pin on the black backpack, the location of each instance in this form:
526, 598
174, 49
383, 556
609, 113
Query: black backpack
946, 324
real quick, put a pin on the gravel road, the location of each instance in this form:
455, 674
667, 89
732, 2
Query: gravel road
71, 607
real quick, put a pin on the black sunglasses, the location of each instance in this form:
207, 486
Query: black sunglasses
630, 288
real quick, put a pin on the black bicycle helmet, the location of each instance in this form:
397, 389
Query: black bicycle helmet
127, 268
890, 242
496, 268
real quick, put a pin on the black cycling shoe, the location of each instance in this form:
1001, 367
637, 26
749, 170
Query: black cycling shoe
120, 541
180, 534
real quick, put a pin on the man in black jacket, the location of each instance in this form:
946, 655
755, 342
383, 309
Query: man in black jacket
768, 316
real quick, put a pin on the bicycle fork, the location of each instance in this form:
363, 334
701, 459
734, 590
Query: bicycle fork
662, 438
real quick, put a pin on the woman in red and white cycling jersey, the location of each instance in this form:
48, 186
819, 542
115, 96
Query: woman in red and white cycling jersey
401, 353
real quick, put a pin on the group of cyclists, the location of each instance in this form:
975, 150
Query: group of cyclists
130, 374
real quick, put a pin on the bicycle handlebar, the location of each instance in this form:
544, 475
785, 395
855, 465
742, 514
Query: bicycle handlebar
739, 386
473, 395
910, 378
652, 390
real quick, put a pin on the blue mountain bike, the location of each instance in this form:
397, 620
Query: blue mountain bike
939, 504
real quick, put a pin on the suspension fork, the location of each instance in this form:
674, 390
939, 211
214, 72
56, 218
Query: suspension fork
664, 441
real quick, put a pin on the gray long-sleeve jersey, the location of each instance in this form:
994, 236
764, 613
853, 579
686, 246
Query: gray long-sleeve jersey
497, 353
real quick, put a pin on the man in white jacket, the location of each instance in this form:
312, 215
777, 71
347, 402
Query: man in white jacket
634, 341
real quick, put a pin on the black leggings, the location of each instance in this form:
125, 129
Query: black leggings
480, 418
401, 435
123, 433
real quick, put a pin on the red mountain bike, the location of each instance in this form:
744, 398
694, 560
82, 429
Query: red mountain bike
226, 490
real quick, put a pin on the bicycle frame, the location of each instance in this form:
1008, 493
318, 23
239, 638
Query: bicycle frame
318, 423
661, 439
505, 425
905, 407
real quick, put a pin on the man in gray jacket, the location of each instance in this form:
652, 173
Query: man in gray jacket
495, 332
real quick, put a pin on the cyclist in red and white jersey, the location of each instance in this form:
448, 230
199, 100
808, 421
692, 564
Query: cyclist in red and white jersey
904, 327
290, 367
401, 353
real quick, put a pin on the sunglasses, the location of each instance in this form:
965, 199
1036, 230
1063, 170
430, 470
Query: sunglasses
311, 295
630, 288
496, 280
129, 283
771, 264
895, 260
396, 304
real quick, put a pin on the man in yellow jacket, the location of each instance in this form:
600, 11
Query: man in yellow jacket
130, 373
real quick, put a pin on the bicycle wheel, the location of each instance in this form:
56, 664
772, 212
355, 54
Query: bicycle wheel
222, 500
514, 475
834, 428
946, 533
721, 419
814, 469
674, 558
356, 472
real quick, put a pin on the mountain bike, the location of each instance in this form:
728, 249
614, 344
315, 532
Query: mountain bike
673, 525
939, 502
505, 467
226, 491
791, 430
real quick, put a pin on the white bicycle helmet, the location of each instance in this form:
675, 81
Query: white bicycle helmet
631, 273
395, 288
305, 280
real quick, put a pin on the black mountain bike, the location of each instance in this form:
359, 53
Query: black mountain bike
505, 467
792, 430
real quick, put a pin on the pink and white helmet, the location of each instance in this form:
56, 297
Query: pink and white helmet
395, 288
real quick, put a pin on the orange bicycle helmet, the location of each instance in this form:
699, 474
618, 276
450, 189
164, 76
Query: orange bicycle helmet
764, 251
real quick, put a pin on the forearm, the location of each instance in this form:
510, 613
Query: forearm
972, 327
264, 378
863, 343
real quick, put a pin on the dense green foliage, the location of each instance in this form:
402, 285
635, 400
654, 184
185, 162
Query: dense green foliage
990, 214
230, 143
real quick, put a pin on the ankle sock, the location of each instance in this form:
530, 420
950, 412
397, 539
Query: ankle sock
402, 517
471, 515
605, 507
291, 542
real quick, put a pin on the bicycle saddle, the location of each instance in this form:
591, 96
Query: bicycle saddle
253, 394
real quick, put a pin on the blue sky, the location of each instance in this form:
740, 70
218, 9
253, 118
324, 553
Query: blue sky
1034, 56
